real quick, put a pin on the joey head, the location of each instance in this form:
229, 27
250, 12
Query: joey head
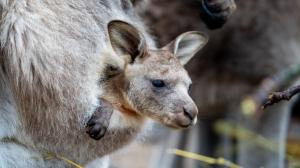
150, 82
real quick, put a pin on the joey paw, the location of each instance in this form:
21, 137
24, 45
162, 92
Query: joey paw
99, 122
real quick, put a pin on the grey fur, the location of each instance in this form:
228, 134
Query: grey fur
51, 60
54, 55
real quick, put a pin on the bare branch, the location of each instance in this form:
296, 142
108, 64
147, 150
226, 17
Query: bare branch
276, 97
252, 104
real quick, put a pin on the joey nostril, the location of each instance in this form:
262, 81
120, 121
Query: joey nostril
188, 114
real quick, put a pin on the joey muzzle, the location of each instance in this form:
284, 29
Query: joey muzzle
183, 119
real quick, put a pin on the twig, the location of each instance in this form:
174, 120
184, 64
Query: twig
205, 159
47, 155
243, 134
276, 97
251, 104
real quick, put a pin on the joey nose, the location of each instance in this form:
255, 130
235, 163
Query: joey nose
191, 113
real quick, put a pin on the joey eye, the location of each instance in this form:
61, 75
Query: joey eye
158, 83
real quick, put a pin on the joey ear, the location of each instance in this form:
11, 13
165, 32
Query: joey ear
126, 39
186, 45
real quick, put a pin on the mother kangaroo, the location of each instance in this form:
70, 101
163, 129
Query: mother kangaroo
54, 54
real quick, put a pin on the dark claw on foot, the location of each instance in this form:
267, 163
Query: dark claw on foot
99, 122
216, 12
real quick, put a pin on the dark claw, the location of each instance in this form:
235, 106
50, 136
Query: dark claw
91, 123
99, 122
97, 131
216, 12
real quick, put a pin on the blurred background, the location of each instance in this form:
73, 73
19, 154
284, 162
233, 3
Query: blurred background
250, 40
